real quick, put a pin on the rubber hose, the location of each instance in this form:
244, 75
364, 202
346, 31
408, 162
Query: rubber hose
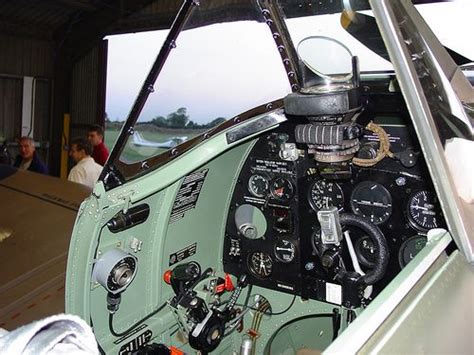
380, 243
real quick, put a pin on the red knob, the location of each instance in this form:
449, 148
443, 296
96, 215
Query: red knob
167, 277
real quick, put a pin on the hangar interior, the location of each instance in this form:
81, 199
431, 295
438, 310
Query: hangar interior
53, 75
54, 63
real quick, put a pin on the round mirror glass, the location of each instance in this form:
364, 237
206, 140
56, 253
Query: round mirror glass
326, 57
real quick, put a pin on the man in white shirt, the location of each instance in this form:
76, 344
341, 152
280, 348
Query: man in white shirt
86, 171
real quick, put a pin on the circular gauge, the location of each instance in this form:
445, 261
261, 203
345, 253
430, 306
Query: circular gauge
285, 251
282, 189
258, 185
366, 251
410, 248
372, 201
324, 194
260, 264
423, 210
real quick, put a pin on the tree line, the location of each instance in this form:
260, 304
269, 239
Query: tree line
179, 119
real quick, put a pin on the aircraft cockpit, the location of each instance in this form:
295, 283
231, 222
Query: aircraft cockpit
333, 203
274, 230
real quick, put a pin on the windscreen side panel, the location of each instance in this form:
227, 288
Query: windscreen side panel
109, 175
217, 72
393, 19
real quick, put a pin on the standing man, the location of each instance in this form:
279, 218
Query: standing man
86, 171
96, 137
28, 159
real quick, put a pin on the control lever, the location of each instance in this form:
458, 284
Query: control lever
355, 263
182, 276
241, 283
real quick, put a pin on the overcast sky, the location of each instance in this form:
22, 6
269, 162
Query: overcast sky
130, 57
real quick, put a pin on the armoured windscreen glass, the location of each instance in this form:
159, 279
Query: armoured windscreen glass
221, 62
305, 22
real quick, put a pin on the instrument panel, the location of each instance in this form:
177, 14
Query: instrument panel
287, 195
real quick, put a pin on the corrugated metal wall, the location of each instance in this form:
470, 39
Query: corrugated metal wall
26, 56
85, 93
42, 115
42, 109
22, 57
11, 94
11, 100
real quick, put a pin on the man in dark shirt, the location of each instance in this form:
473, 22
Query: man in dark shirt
28, 159
96, 137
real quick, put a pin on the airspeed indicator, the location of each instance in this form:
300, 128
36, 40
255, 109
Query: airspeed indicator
323, 194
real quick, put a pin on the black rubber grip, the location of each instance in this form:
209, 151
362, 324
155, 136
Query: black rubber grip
380, 243
315, 134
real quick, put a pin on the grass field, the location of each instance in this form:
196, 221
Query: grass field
133, 153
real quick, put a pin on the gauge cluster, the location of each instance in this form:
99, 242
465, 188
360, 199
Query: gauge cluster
290, 257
